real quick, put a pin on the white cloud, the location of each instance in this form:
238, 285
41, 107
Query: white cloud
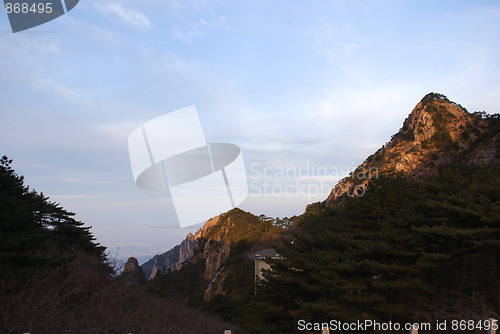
48, 86
198, 29
350, 48
335, 42
130, 16
72, 196
41, 47
325, 111
186, 36
219, 22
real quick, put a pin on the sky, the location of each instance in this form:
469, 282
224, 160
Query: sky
306, 89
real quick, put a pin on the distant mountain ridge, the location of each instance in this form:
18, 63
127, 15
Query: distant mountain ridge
173, 259
176, 257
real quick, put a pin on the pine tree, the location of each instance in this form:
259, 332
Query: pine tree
380, 255
36, 234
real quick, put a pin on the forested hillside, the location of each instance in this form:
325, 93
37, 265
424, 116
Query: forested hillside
406, 251
54, 277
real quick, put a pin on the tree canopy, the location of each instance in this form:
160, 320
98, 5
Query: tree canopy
383, 255
35, 233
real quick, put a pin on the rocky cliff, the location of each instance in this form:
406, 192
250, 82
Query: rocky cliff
219, 236
132, 273
172, 259
211, 246
436, 134
176, 257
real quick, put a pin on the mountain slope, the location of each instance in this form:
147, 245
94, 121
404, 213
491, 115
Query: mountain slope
229, 227
172, 259
233, 232
436, 134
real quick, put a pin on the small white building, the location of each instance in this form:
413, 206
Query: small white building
260, 260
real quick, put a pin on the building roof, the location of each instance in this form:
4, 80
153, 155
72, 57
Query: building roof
265, 253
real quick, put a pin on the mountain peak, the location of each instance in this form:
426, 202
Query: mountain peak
434, 113
227, 228
231, 226
435, 97
132, 273
435, 134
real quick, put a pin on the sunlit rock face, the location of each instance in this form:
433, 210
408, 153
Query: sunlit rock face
435, 134
173, 259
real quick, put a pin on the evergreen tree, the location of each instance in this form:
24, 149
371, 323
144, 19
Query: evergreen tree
36, 234
380, 255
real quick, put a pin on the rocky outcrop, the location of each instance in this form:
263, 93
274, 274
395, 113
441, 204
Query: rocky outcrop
211, 246
215, 287
176, 257
131, 265
132, 273
207, 227
173, 259
420, 124
435, 113
215, 254
436, 134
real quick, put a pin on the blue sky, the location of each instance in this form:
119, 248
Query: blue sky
296, 84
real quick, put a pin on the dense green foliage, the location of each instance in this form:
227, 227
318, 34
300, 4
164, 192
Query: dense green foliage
186, 283
241, 230
398, 247
239, 282
442, 140
236, 225
54, 277
36, 234
491, 130
405, 251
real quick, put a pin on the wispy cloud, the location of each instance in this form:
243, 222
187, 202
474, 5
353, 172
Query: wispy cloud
350, 48
198, 29
187, 35
130, 16
219, 22
73, 196
334, 42
50, 87
51, 47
